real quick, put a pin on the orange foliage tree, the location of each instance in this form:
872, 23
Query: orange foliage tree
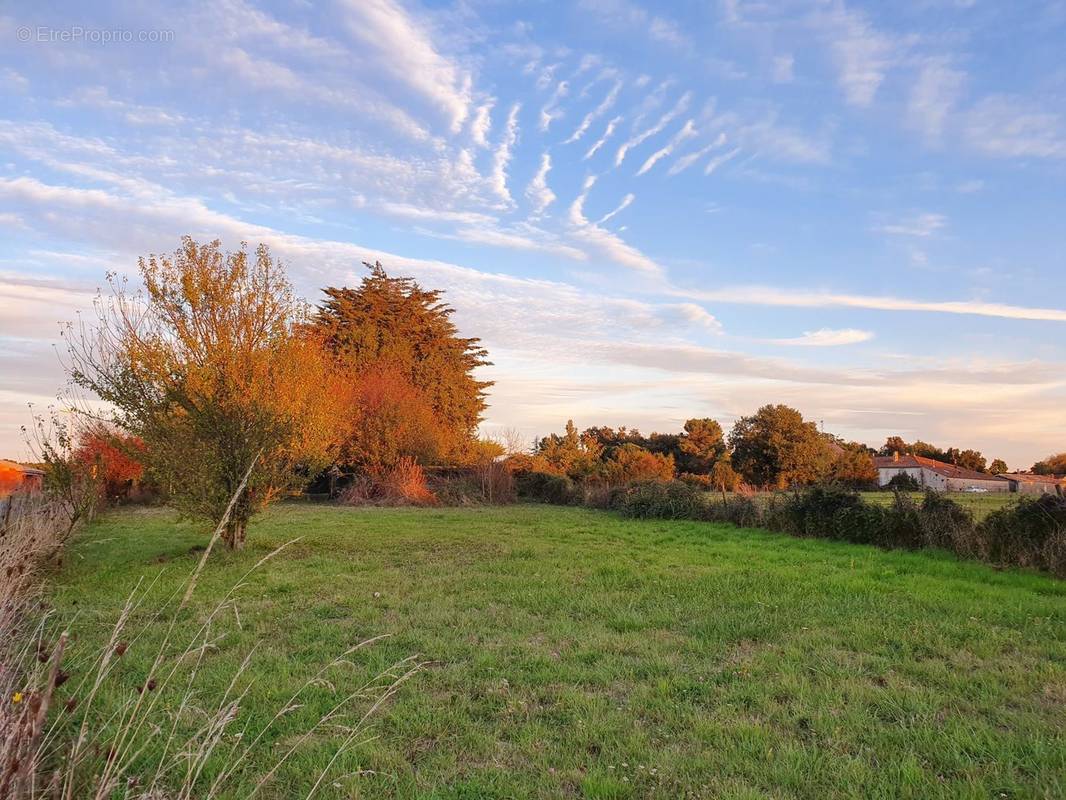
116, 458
389, 326
214, 367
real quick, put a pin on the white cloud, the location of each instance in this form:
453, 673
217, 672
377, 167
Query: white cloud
826, 337
664, 120
1013, 127
688, 160
861, 53
698, 315
436, 214
687, 131
538, 192
597, 112
601, 239
481, 124
921, 226
502, 156
933, 97
607, 133
550, 111
627, 201
405, 50
799, 298
718, 161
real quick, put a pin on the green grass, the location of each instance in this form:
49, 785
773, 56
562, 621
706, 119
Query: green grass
978, 504
576, 654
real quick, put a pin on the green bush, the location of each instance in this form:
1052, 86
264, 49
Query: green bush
544, 487
661, 500
903, 482
1029, 534
741, 511
946, 524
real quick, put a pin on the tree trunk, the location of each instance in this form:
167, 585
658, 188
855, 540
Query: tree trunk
233, 535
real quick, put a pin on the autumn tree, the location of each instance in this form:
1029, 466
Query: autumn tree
702, 445
776, 447
214, 368
1052, 465
114, 457
393, 325
631, 462
853, 466
571, 454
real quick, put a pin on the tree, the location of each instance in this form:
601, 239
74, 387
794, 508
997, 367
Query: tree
214, 367
115, 458
967, 459
571, 454
702, 445
998, 467
894, 444
853, 467
1052, 465
632, 462
723, 476
390, 420
394, 324
776, 447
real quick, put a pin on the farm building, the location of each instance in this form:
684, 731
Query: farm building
16, 478
1028, 483
937, 475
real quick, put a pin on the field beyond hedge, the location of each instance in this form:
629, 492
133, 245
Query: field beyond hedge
576, 654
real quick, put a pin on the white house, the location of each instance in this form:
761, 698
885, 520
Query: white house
937, 475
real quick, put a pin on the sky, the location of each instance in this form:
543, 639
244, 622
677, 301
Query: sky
647, 211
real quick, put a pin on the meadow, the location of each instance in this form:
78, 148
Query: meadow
977, 503
571, 653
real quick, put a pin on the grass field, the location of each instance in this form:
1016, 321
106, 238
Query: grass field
576, 654
978, 504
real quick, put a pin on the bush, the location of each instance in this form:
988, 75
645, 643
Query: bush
696, 480
738, 509
661, 500
903, 482
1029, 534
490, 483
544, 487
401, 485
829, 512
946, 524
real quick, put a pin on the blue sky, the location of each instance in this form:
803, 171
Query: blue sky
647, 211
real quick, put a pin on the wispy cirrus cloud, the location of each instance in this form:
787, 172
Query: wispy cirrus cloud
658, 127
407, 52
538, 192
688, 130
826, 337
798, 298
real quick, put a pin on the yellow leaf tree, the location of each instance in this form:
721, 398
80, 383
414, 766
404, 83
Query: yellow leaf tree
214, 366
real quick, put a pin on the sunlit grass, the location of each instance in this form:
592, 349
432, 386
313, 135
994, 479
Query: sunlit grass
578, 654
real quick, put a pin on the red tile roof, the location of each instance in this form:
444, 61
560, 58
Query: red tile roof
907, 461
1029, 477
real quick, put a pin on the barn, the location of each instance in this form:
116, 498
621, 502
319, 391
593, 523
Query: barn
1028, 483
937, 475
16, 478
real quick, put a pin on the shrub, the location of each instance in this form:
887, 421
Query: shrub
696, 480
661, 500
400, 485
737, 509
829, 512
1029, 534
946, 524
903, 482
544, 487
